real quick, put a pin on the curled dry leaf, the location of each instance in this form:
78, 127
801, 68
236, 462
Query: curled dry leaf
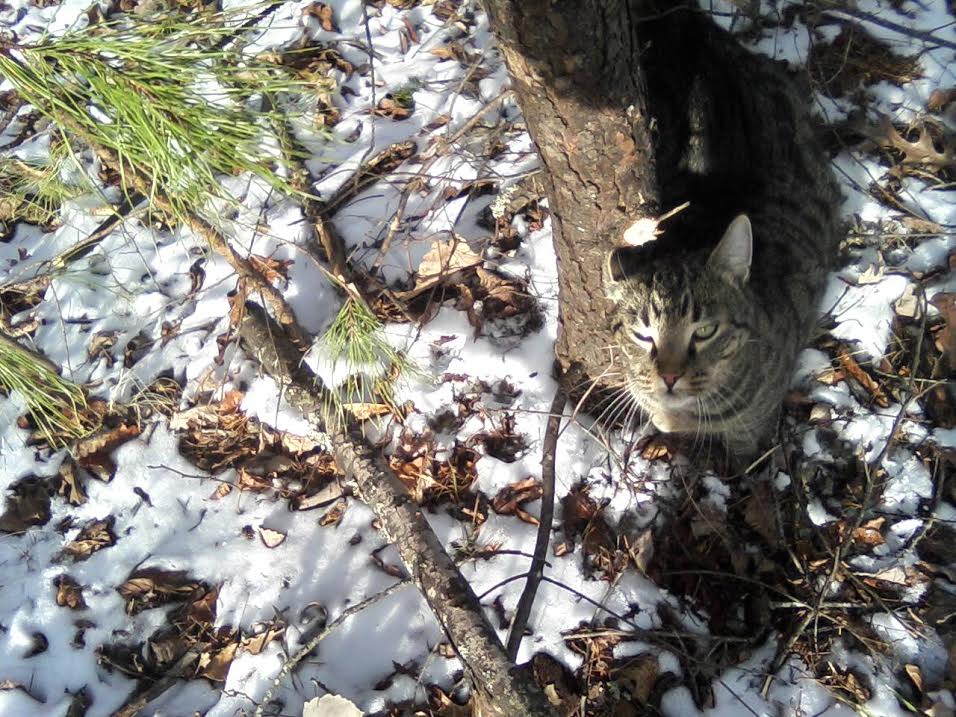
271, 538
147, 588
68, 592
946, 338
511, 496
913, 672
214, 664
323, 14
923, 150
443, 263
638, 676
656, 448
94, 536
275, 271
255, 644
334, 515
940, 99
96, 448
392, 108
27, 504
852, 368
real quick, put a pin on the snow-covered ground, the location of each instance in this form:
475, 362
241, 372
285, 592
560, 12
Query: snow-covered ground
151, 303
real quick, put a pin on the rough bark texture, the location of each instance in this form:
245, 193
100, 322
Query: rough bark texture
500, 690
576, 71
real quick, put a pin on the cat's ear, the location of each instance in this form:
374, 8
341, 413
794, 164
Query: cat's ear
617, 268
734, 252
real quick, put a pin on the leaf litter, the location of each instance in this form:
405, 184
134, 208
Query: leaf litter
188, 520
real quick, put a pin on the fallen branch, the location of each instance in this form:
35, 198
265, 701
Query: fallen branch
498, 689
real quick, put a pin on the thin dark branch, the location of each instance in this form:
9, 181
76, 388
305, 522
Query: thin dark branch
923, 35
548, 451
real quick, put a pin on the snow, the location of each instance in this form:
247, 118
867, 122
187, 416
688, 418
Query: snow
142, 278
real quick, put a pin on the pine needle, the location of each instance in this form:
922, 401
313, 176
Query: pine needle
164, 98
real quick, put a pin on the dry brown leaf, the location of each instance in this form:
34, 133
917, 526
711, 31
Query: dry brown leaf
255, 644
442, 263
451, 51
334, 515
105, 442
271, 538
923, 150
641, 550
946, 338
638, 677
94, 536
852, 368
27, 504
914, 674
199, 614
511, 496
68, 593
214, 665
908, 305
392, 108
870, 533
147, 588
274, 270
656, 448
70, 486
247, 481
222, 490
323, 14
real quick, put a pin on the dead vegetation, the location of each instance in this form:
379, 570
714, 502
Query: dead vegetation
751, 565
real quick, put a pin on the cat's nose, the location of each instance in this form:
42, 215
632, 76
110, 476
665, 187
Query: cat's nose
670, 379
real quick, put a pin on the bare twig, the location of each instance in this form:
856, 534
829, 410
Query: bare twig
549, 449
308, 647
832, 6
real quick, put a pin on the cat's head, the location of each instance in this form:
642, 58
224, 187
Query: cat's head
681, 319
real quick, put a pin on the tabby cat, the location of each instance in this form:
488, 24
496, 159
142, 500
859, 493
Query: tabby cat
709, 316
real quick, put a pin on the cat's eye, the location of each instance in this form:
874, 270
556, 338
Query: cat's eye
706, 331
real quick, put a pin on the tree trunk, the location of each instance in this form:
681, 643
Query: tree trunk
577, 75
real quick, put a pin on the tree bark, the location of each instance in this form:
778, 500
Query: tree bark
575, 66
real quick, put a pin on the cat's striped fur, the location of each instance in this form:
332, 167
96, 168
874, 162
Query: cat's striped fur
708, 321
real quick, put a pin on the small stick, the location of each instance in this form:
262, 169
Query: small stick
535, 573
307, 648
